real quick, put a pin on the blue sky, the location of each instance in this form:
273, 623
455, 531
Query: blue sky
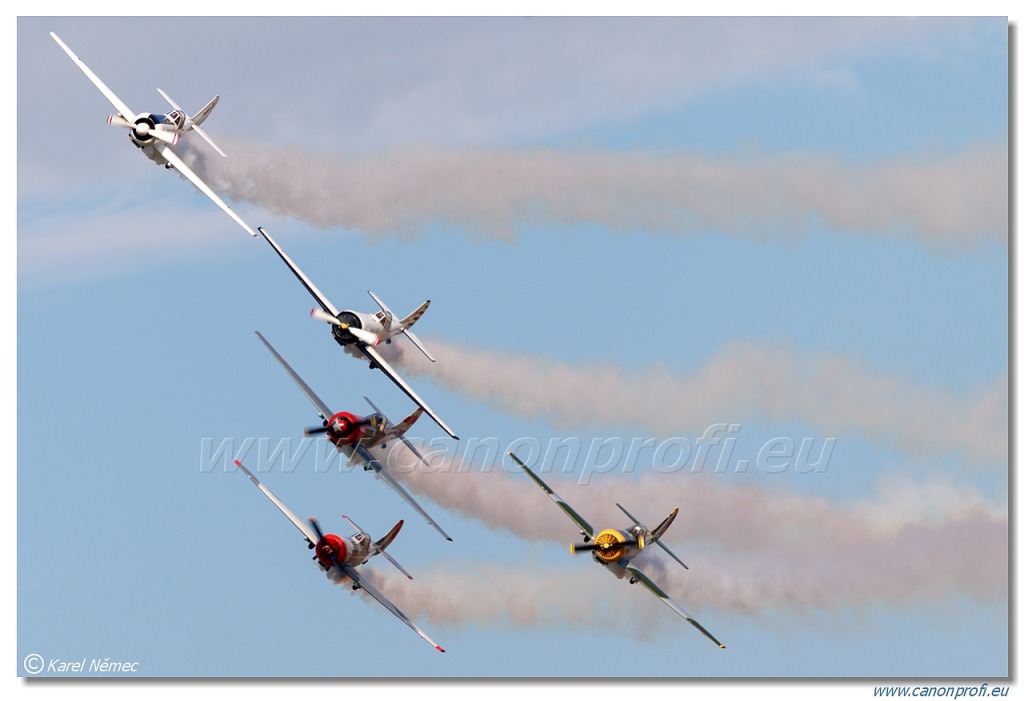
629, 230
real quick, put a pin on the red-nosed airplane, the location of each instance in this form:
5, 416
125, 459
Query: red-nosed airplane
156, 133
354, 435
364, 332
338, 557
615, 549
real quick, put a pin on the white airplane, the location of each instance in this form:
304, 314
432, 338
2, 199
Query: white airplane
338, 557
365, 331
156, 133
353, 435
615, 549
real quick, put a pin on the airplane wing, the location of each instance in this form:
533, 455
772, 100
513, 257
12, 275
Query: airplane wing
299, 523
383, 601
319, 296
660, 593
375, 465
107, 92
180, 166
371, 353
324, 411
569, 511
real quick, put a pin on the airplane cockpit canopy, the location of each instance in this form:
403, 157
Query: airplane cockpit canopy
175, 118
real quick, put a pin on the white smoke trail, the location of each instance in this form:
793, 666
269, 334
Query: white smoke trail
948, 202
752, 552
741, 381
920, 568
737, 517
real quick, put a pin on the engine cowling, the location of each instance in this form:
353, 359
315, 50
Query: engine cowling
331, 544
611, 545
344, 427
341, 333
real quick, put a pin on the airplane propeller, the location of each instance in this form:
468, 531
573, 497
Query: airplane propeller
361, 334
144, 129
614, 545
315, 525
321, 315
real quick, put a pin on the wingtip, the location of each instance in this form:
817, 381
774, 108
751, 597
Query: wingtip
720, 646
449, 540
238, 463
439, 648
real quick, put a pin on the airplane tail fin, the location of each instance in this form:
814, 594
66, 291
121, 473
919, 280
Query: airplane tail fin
200, 116
663, 526
408, 421
389, 537
660, 530
380, 545
192, 123
407, 323
399, 429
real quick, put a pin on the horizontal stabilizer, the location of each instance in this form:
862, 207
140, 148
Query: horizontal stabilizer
419, 344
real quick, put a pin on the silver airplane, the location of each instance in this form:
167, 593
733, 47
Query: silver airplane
363, 332
156, 133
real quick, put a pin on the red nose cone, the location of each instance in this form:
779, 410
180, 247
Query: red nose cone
343, 428
329, 544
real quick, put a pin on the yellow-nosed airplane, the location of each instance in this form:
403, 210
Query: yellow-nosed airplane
616, 548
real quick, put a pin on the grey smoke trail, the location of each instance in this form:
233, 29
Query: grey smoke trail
946, 201
920, 568
742, 381
752, 551
712, 513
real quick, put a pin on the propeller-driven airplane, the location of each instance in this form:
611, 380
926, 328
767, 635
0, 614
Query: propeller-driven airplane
354, 435
364, 332
338, 556
615, 549
156, 133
